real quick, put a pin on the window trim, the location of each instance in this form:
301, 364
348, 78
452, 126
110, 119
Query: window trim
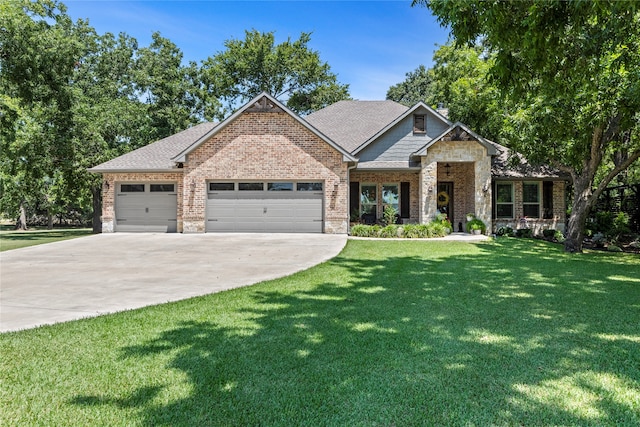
419, 129
375, 202
511, 203
538, 197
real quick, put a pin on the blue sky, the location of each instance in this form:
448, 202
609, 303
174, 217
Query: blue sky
370, 45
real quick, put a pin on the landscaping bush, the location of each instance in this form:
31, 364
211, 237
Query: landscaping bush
408, 231
389, 231
505, 231
549, 234
524, 232
476, 224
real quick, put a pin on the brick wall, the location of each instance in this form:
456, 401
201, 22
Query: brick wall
110, 181
261, 146
380, 178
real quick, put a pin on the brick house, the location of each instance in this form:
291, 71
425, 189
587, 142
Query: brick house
266, 169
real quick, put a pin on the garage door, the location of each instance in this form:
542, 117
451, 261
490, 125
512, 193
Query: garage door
265, 207
148, 207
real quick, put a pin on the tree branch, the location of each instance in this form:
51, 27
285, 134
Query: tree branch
624, 165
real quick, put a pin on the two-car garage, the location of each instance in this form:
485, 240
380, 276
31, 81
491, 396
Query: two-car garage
251, 207
265, 207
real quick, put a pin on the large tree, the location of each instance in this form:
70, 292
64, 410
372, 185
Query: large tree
572, 69
290, 71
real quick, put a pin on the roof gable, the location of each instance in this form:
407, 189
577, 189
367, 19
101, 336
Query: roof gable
458, 132
410, 111
261, 103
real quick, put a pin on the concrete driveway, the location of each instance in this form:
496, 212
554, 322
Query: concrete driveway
106, 273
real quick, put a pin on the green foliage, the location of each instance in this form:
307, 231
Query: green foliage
289, 70
408, 231
524, 232
390, 215
476, 224
505, 231
614, 248
415, 88
568, 72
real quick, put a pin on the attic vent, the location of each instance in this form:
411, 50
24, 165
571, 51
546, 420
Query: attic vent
264, 105
419, 124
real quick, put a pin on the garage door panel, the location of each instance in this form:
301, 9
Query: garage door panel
265, 211
147, 211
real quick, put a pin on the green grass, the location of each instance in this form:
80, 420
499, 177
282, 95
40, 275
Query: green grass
406, 333
14, 239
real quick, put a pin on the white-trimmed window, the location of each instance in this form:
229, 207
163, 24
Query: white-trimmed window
531, 199
368, 199
390, 196
504, 200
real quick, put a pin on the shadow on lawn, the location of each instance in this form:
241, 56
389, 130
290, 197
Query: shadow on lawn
505, 336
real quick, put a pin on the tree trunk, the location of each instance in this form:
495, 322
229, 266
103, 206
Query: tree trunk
21, 223
583, 200
96, 192
49, 221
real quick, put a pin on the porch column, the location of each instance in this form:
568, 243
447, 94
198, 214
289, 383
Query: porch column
483, 191
428, 188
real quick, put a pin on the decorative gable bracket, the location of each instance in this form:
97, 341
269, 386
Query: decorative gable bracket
264, 105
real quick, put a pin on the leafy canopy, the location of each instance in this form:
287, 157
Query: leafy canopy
290, 71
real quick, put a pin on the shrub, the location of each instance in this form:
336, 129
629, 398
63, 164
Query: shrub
614, 248
558, 236
524, 232
389, 231
549, 234
363, 230
390, 215
476, 224
505, 231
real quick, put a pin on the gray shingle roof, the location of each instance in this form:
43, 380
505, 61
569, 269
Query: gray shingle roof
508, 164
157, 155
351, 123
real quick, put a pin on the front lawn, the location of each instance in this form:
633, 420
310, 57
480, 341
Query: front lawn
14, 239
406, 333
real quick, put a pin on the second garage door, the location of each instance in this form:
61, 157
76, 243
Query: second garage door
265, 207
146, 207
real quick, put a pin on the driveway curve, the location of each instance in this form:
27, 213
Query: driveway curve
106, 273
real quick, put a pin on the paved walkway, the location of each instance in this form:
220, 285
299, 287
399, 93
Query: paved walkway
106, 273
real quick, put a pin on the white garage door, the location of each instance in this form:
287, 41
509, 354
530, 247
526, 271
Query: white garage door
265, 207
151, 207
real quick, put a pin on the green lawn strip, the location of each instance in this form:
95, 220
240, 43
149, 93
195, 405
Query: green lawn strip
510, 332
12, 239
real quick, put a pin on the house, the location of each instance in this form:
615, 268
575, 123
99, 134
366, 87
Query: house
266, 169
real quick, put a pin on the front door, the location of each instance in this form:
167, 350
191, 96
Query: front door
445, 199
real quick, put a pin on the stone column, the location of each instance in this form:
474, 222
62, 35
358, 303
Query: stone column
483, 191
428, 189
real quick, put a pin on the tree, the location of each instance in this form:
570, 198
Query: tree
38, 52
572, 71
459, 80
415, 88
289, 71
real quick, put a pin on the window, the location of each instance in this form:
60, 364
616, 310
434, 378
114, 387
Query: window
531, 199
309, 186
419, 124
221, 186
280, 186
132, 188
504, 200
390, 196
251, 186
368, 200
162, 188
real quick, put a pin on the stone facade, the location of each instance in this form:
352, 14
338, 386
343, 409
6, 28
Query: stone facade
111, 180
262, 146
471, 165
